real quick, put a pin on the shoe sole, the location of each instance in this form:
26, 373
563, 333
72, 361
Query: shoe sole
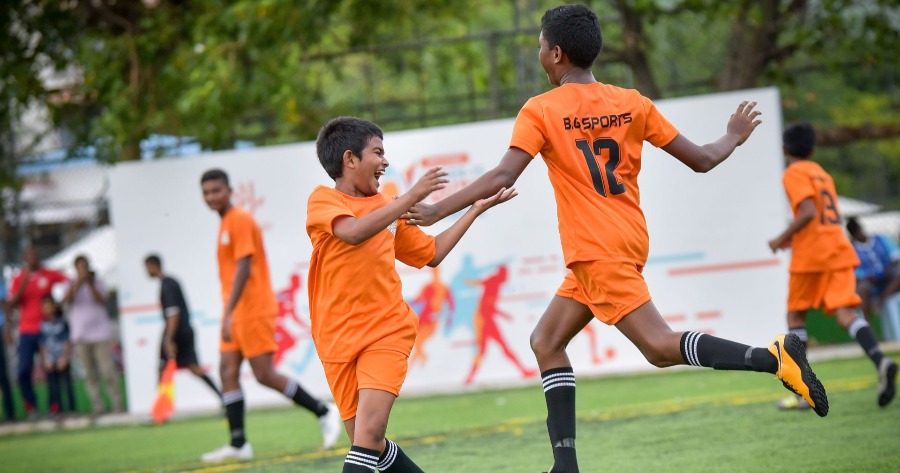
885, 398
794, 348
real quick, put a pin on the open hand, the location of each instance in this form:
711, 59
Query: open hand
500, 197
744, 121
434, 179
421, 214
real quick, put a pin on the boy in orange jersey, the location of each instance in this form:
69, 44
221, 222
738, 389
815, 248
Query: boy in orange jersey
362, 327
248, 321
822, 258
590, 135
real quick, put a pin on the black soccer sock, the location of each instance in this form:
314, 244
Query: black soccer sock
393, 460
700, 349
234, 411
360, 460
302, 398
209, 382
801, 334
860, 330
559, 392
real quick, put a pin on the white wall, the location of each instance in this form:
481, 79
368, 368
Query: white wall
709, 267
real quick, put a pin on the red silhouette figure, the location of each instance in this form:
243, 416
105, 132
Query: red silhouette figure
287, 310
431, 303
486, 327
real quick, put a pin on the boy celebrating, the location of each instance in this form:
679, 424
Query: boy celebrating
248, 321
362, 327
822, 259
590, 135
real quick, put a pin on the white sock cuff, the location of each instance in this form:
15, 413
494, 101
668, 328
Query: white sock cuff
858, 324
291, 389
801, 333
232, 397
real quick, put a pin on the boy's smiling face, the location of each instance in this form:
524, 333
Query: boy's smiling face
361, 173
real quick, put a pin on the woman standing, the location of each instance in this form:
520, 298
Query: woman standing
92, 335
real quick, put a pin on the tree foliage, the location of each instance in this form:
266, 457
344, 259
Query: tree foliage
216, 72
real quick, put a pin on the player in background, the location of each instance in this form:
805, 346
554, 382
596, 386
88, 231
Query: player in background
877, 277
177, 342
822, 258
590, 135
362, 327
248, 321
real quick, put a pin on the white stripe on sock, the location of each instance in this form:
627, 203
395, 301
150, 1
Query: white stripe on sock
801, 333
291, 389
687, 347
858, 324
558, 385
390, 454
232, 397
558, 377
694, 343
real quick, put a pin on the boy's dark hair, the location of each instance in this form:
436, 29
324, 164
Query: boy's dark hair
576, 30
799, 139
153, 259
339, 135
853, 225
81, 259
215, 175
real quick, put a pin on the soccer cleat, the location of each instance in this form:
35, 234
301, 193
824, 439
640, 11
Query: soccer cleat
330, 425
795, 373
793, 403
228, 452
887, 381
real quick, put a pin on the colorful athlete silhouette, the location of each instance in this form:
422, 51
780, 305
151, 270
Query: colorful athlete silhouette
287, 313
430, 306
486, 327
466, 294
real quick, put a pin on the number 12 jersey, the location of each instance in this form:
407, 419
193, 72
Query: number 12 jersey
591, 137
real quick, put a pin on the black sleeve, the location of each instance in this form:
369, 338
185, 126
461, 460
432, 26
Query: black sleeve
170, 296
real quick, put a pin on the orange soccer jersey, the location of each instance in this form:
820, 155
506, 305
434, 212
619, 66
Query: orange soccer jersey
240, 236
821, 245
591, 137
355, 297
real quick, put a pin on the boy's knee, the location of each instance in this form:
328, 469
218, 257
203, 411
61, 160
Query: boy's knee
543, 344
370, 435
660, 354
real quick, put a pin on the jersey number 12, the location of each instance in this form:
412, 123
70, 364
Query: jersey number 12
591, 153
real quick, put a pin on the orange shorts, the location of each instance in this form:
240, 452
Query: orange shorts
829, 291
373, 368
611, 289
252, 337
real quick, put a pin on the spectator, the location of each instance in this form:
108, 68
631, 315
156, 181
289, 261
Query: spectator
5, 327
92, 335
56, 353
28, 288
878, 276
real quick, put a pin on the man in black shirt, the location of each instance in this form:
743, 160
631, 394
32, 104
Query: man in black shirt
178, 336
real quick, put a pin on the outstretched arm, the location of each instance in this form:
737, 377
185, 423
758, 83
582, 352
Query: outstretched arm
353, 231
447, 239
504, 175
806, 212
706, 157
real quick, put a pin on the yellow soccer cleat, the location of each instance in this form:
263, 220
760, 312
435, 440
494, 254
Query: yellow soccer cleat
795, 373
